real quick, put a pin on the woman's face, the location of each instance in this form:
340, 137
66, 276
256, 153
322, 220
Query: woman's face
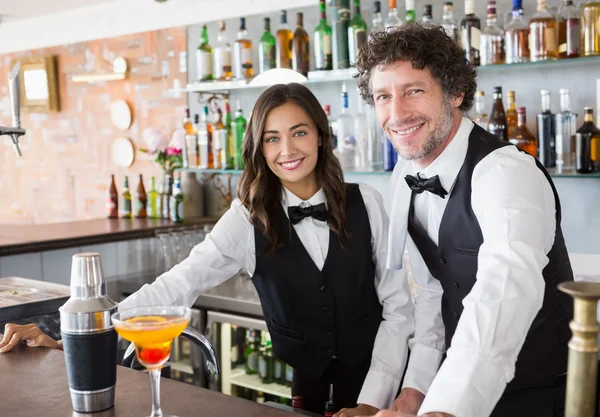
290, 145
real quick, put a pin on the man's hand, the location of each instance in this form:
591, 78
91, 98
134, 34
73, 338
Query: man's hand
361, 410
15, 333
409, 401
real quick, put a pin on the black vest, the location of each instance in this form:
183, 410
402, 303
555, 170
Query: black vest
313, 315
454, 263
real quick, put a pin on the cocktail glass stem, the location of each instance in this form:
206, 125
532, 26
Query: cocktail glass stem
155, 384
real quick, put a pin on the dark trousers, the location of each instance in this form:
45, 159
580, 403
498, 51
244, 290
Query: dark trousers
347, 383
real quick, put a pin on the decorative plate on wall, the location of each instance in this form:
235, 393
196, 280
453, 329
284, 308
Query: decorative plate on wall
122, 152
120, 114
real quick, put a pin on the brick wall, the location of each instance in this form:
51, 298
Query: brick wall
66, 164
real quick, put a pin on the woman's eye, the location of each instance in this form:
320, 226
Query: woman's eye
271, 139
300, 133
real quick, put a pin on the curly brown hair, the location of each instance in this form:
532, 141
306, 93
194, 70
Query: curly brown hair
259, 189
426, 46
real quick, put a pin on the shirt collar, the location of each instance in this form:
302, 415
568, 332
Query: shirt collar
289, 199
448, 163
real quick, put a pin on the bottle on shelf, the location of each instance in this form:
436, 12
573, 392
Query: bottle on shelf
322, 41
332, 126
545, 133
492, 39
390, 156
512, 119
516, 37
251, 353
300, 51
227, 148
167, 189
427, 14
284, 38
205, 141
266, 49
266, 364
112, 202
497, 124
587, 138
470, 33
219, 136
362, 136
375, 141
410, 15
448, 22
289, 376
242, 54
569, 30
480, 117
565, 128
153, 201
393, 20
521, 136
590, 13
542, 34
192, 156
222, 55
377, 21
357, 33
340, 11
204, 58
238, 129
141, 200
176, 202
126, 200
346, 146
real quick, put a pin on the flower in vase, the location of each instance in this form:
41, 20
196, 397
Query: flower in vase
167, 154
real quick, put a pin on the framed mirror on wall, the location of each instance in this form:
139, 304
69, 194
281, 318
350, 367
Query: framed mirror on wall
39, 84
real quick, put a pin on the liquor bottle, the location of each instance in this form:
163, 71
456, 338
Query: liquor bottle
470, 33
390, 156
204, 141
266, 49
585, 137
590, 13
448, 21
284, 43
322, 42
357, 33
238, 129
427, 14
278, 371
361, 131
187, 122
542, 34
480, 117
153, 201
300, 52
411, 15
521, 136
222, 55
112, 202
512, 119
289, 376
126, 200
218, 140
497, 124
242, 54
492, 39
227, 147
204, 58
266, 365
166, 196
377, 21
375, 141
340, 11
251, 353
236, 345
191, 146
176, 202
141, 200
545, 132
346, 146
393, 20
569, 30
565, 128
516, 37
332, 126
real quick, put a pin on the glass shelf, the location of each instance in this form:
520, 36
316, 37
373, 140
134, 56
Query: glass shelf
540, 64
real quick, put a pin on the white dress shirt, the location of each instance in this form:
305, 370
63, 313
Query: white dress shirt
515, 208
230, 246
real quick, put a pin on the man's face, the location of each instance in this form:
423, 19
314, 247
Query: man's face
412, 109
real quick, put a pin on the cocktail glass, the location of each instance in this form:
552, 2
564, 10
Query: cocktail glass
152, 330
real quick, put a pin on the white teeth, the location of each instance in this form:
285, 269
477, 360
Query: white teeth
409, 131
291, 164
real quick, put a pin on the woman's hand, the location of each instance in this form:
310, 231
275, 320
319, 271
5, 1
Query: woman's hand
29, 333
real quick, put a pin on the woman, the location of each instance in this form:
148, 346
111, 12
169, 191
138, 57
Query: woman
315, 248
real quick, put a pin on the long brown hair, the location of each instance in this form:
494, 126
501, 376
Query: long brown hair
259, 189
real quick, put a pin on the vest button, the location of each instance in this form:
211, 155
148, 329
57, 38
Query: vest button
456, 315
456, 285
329, 330
442, 261
326, 310
323, 288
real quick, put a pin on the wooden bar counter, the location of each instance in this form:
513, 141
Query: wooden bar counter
33, 382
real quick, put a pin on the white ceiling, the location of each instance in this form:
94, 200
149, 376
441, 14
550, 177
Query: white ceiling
22, 9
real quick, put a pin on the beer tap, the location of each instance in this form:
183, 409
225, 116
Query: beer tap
15, 104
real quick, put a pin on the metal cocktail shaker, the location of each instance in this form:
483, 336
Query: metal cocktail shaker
89, 339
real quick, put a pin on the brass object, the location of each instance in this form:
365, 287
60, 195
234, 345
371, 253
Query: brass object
39, 84
582, 368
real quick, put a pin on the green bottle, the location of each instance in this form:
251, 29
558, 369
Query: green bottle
411, 16
251, 353
238, 128
126, 200
357, 33
176, 202
153, 212
340, 11
204, 63
227, 162
323, 57
266, 49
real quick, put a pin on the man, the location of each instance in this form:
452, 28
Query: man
481, 221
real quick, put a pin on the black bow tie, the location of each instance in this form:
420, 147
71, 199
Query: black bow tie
433, 185
297, 213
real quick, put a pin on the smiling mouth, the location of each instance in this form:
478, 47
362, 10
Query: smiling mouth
408, 131
289, 165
